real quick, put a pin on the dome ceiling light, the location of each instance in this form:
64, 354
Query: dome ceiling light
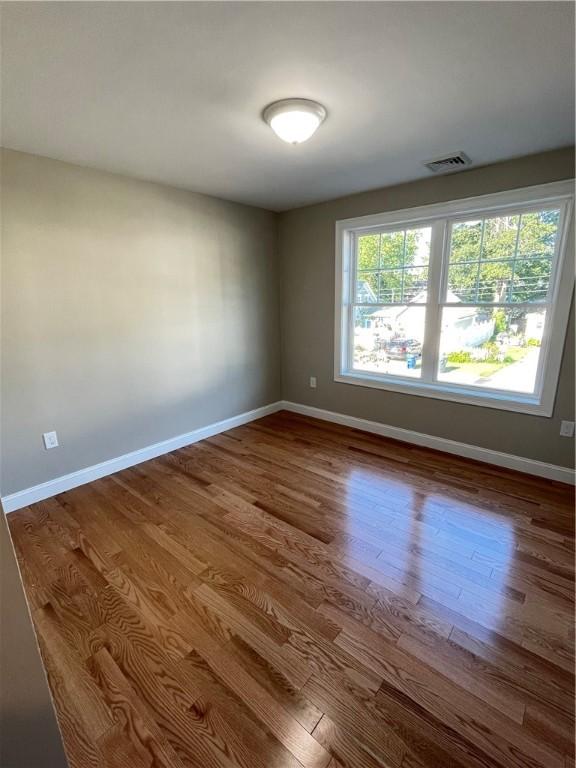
294, 120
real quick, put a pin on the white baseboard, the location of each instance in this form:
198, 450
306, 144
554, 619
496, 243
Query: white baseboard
507, 460
64, 483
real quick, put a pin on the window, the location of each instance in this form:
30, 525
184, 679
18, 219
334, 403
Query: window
466, 301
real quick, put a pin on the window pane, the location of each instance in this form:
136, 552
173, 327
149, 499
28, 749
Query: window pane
415, 285
401, 286
402, 260
366, 287
538, 232
462, 283
392, 250
491, 348
480, 282
466, 241
531, 279
500, 235
418, 247
368, 251
502, 259
389, 340
494, 279
391, 287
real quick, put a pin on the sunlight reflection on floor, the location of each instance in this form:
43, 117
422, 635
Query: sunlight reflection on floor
445, 548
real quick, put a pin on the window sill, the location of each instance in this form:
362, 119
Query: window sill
466, 395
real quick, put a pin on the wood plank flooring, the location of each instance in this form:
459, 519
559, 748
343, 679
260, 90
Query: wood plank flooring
296, 594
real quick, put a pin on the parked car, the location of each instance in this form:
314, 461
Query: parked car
399, 349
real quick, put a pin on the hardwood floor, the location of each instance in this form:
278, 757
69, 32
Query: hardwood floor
294, 593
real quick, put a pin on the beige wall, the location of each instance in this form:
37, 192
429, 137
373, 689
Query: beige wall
307, 287
29, 735
132, 313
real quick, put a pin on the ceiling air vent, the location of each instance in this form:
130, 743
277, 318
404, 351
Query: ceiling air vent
449, 163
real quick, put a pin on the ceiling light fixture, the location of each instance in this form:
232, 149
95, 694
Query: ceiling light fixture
294, 120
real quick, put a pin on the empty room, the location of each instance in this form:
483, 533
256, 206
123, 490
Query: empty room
287, 384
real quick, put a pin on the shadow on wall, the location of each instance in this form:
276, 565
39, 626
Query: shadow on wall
160, 300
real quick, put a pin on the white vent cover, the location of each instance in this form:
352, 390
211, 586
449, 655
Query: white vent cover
449, 163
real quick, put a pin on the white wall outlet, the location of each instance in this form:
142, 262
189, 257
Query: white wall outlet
50, 440
567, 429
313, 382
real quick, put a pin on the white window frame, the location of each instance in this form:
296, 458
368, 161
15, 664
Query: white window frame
441, 216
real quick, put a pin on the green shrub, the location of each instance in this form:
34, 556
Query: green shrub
500, 321
459, 357
534, 342
492, 352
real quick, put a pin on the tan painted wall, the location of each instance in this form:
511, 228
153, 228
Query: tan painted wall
29, 735
132, 313
306, 243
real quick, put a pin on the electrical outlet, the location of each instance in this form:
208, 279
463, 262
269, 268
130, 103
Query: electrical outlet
50, 440
567, 429
313, 382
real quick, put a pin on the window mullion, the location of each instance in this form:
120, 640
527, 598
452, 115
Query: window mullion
431, 346
353, 257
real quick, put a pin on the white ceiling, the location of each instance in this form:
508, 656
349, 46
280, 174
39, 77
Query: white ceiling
173, 92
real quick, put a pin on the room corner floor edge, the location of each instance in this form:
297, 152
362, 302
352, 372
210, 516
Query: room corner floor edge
463, 450
23, 498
